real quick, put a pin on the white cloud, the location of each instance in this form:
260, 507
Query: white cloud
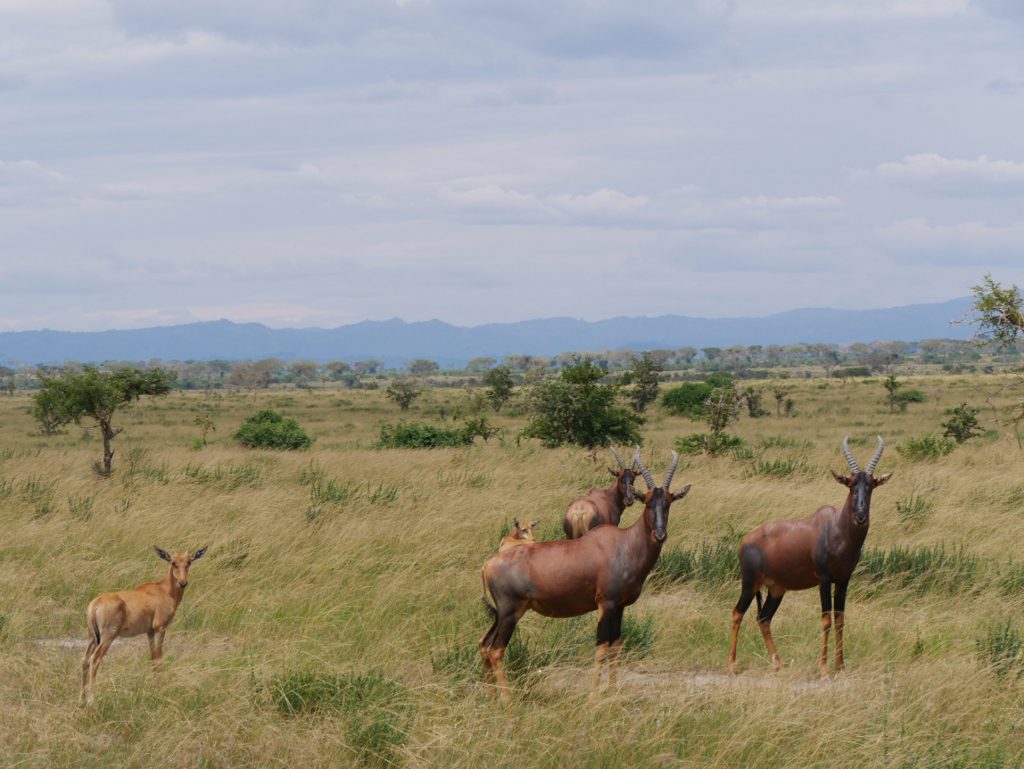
953, 175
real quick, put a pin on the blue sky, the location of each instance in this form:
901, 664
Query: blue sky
316, 163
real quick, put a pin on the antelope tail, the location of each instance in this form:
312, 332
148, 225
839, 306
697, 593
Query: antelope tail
758, 596
94, 627
577, 524
491, 608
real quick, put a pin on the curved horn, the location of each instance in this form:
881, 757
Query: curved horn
648, 479
671, 470
617, 457
849, 456
878, 455
636, 457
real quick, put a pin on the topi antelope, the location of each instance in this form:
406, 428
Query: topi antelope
601, 506
148, 609
604, 570
522, 534
819, 551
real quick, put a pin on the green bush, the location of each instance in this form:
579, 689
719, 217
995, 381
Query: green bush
710, 443
415, 435
962, 424
926, 447
687, 400
270, 430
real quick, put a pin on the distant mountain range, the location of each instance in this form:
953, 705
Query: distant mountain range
395, 341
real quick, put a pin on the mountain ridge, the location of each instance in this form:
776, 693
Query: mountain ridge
394, 340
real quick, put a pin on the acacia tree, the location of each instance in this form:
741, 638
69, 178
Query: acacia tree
1000, 318
645, 378
499, 383
98, 395
575, 408
404, 391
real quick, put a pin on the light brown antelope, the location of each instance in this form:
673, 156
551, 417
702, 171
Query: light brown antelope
601, 506
819, 551
522, 534
148, 609
604, 570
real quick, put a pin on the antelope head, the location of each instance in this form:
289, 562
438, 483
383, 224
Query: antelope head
180, 563
658, 498
861, 482
626, 474
524, 530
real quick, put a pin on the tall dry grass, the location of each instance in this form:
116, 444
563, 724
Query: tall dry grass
346, 579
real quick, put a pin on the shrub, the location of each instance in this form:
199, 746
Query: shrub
414, 435
687, 400
962, 424
926, 447
270, 430
713, 443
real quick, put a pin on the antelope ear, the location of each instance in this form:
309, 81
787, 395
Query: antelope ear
882, 479
840, 478
680, 493
162, 553
613, 472
199, 553
534, 523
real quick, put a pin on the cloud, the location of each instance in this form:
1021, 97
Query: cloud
968, 242
27, 183
936, 173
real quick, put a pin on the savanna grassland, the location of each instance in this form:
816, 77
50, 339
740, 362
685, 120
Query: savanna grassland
334, 620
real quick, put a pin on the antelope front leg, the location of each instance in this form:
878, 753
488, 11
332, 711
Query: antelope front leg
840, 622
825, 589
613, 649
156, 648
604, 616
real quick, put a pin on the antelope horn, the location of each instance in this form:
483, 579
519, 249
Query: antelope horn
849, 456
636, 457
648, 479
876, 457
617, 457
671, 470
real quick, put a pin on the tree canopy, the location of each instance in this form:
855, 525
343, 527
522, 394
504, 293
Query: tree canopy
576, 408
98, 395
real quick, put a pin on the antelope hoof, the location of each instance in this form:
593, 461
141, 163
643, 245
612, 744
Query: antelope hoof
825, 672
776, 664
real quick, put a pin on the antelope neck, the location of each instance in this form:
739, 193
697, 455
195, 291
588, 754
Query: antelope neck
171, 586
642, 544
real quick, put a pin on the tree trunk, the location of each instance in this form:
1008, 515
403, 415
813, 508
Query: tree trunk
108, 452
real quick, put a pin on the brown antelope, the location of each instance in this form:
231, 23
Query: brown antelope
601, 506
148, 609
522, 534
604, 570
819, 551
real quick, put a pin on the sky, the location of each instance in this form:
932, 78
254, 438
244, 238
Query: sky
322, 162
